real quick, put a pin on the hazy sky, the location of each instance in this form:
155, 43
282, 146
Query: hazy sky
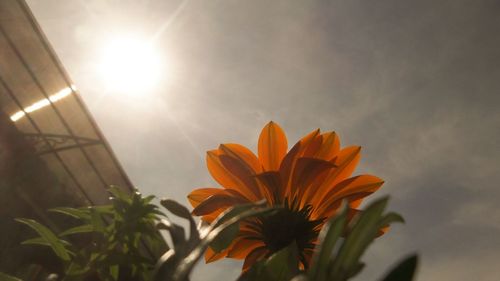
415, 83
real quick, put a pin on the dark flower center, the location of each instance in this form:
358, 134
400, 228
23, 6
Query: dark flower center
287, 225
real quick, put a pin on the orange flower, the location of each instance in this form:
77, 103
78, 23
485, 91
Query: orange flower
310, 182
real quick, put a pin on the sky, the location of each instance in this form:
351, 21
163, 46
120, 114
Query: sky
415, 83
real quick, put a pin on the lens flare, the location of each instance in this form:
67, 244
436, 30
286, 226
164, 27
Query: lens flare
130, 65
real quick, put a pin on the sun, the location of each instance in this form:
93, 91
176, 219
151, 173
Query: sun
130, 65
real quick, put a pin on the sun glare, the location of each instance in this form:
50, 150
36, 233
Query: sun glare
130, 66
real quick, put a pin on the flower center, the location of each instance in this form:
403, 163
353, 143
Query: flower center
287, 225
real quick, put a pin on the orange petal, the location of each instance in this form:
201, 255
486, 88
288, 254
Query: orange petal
383, 231
312, 147
272, 182
215, 202
243, 154
356, 202
245, 176
330, 146
345, 162
358, 184
306, 171
288, 163
242, 248
330, 207
247, 227
200, 194
327, 210
211, 255
272, 146
254, 256
218, 172
308, 138
352, 189
286, 167
212, 216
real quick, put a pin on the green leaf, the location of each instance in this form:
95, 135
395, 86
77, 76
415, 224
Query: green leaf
283, 265
75, 269
217, 227
181, 211
78, 229
328, 238
45, 233
346, 263
6, 277
120, 194
72, 212
43, 242
176, 233
113, 271
256, 272
164, 267
176, 208
36, 241
148, 199
235, 211
97, 221
390, 218
103, 209
404, 271
224, 239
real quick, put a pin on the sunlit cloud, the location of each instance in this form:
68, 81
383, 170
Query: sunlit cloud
43, 103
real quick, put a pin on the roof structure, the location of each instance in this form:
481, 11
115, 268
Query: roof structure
51, 151
43, 104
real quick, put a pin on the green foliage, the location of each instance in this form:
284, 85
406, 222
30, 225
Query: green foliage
281, 266
117, 237
177, 263
331, 233
346, 263
227, 235
404, 271
339, 251
48, 238
5, 277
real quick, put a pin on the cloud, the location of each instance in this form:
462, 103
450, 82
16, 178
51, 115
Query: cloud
478, 214
480, 267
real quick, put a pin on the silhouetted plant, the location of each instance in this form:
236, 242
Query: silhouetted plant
116, 235
115, 251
